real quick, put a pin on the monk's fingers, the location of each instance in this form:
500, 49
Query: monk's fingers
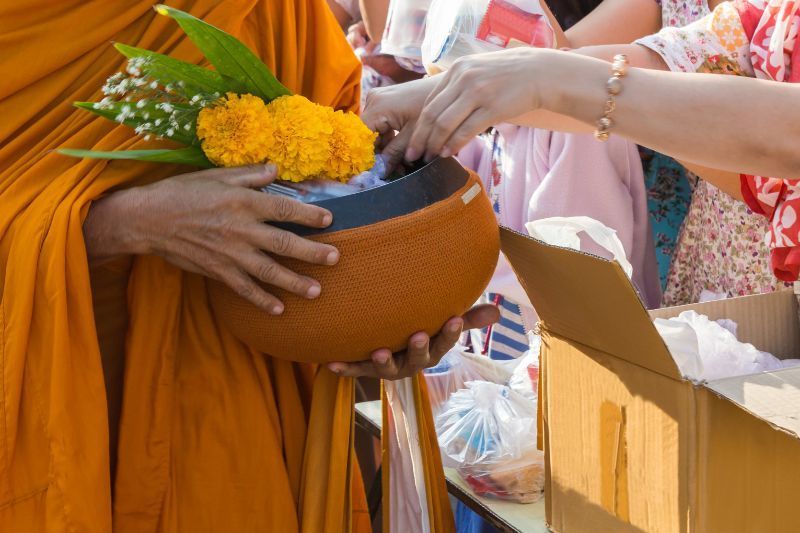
264, 268
277, 208
382, 365
417, 353
243, 285
251, 176
287, 244
446, 339
386, 364
481, 316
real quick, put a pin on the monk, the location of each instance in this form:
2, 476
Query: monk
124, 404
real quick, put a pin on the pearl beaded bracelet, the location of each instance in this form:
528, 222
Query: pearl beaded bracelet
619, 67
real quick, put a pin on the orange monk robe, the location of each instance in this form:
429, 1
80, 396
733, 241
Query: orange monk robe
213, 437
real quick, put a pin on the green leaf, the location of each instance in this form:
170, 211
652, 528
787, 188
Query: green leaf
228, 55
167, 69
192, 155
112, 110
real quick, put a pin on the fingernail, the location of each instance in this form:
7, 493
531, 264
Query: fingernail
445, 152
332, 258
411, 155
381, 358
455, 326
335, 367
313, 291
277, 309
418, 343
326, 220
271, 168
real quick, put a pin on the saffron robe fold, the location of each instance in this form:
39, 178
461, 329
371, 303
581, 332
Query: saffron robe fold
212, 436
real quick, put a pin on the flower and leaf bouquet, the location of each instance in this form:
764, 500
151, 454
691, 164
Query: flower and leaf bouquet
238, 114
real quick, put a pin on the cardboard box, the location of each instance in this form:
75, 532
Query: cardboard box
633, 446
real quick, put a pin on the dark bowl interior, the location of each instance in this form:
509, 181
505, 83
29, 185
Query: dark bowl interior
424, 186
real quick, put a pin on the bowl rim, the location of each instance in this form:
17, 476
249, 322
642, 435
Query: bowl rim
434, 182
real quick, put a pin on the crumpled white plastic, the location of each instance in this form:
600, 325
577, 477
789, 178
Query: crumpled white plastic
705, 350
564, 231
456, 368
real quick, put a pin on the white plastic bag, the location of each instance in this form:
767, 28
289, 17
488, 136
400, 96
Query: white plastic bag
564, 231
405, 28
456, 368
457, 28
525, 377
706, 350
488, 433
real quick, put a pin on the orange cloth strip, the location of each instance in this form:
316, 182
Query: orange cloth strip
213, 437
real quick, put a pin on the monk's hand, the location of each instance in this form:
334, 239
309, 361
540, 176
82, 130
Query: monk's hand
212, 222
422, 351
475, 93
395, 109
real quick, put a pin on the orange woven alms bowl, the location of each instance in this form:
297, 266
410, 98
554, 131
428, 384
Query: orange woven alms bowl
414, 253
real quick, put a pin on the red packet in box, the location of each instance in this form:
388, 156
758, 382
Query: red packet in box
508, 25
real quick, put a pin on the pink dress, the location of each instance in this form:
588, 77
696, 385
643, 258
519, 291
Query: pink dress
532, 174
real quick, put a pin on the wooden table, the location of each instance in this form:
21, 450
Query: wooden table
504, 515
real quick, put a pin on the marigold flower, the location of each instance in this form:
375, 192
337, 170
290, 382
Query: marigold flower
301, 137
236, 130
352, 149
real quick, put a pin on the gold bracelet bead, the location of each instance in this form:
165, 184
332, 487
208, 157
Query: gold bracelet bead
619, 68
603, 129
601, 136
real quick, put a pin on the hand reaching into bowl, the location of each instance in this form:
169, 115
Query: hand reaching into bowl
439, 115
212, 222
422, 351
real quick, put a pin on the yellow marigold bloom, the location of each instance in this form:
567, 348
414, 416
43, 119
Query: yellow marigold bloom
236, 130
301, 137
352, 149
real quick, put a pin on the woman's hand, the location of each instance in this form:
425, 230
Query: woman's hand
357, 35
212, 222
422, 351
396, 108
477, 92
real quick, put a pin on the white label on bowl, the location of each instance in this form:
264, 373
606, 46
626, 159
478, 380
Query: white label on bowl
471, 193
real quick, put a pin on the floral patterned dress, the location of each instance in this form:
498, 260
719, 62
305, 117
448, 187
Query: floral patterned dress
721, 247
669, 194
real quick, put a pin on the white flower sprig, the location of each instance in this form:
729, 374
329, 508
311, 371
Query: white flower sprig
142, 95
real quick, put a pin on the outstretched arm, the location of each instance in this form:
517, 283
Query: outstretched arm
695, 118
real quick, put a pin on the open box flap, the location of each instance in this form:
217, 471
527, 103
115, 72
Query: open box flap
587, 299
771, 396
